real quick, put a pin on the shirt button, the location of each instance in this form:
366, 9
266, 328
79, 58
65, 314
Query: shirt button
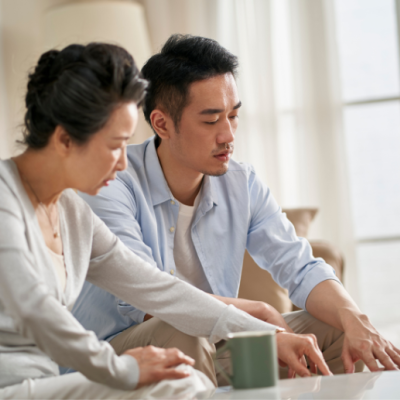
172, 202
172, 229
172, 271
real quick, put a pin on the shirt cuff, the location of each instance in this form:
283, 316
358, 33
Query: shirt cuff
235, 320
130, 372
321, 272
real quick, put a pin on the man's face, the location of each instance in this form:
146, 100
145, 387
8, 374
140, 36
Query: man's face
207, 128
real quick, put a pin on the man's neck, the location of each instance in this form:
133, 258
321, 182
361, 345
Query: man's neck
183, 182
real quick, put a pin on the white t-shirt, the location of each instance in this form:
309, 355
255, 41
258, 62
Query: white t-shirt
188, 266
59, 265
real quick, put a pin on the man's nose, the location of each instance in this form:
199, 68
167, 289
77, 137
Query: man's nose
227, 133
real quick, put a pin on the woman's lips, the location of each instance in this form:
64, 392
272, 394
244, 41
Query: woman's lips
106, 183
223, 156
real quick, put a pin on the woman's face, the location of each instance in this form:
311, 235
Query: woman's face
92, 165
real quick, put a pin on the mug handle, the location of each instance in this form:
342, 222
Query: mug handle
217, 364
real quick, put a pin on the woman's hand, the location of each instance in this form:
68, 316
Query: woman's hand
257, 309
269, 314
156, 364
291, 351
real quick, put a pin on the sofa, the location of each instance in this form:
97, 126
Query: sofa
257, 284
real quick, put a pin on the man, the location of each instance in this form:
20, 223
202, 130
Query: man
186, 208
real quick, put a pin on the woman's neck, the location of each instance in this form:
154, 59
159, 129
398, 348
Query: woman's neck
41, 175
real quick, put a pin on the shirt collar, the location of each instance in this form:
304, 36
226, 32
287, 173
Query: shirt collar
159, 188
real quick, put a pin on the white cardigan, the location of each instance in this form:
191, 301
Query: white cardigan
37, 329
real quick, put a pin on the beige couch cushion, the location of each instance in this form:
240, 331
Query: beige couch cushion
257, 284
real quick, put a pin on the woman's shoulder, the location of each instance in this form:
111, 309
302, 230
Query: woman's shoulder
9, 173
74, 205
9, 185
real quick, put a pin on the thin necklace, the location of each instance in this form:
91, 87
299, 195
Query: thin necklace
55, 232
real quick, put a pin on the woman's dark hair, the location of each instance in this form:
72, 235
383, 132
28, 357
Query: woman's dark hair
184, 59
78, 88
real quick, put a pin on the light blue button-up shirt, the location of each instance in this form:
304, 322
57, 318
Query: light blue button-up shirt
236, 212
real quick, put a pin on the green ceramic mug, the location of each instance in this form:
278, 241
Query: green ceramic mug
254, 359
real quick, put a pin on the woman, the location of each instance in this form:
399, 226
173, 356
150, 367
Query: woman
81, 111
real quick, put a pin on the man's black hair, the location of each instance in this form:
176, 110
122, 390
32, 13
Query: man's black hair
184, 59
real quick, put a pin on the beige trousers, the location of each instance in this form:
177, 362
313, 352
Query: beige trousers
158, 333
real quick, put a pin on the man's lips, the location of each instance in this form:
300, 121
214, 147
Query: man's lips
224, 155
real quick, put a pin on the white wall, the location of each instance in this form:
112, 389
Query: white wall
21, 37
4, 147
22, 44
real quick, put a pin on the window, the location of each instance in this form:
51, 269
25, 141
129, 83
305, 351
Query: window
367, 37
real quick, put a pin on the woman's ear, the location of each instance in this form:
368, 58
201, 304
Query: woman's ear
61, 141
161, 123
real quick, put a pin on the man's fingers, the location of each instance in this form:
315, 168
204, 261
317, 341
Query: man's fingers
348, 363
396, 350
385, 360
394, 355
371, 363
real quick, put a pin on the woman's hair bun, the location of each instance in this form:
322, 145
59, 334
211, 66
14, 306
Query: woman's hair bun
41, 77
78, 88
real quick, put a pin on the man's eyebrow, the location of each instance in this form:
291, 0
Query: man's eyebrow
238, 105
209, 111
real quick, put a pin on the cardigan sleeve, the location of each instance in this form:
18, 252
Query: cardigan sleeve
40, 317
118, 270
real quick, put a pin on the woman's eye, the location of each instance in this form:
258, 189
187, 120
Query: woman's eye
234, 117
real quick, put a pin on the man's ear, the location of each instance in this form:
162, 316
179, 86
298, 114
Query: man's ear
162, 123
61, 141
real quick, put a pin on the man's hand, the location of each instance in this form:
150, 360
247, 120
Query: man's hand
291, 351
330, 303
363, 342
156, 364
257, 309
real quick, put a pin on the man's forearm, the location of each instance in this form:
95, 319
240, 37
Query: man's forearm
331, 303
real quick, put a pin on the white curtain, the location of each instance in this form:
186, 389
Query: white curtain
291, 120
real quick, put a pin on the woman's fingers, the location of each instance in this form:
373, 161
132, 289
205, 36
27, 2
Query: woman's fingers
156, 364
298, 367
291, 373
175, 357
315, 356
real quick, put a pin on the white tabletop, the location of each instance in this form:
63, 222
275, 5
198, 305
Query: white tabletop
366, 385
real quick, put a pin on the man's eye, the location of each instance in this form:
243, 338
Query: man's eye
211, 122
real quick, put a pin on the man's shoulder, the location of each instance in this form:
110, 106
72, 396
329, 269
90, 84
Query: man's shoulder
238, 172
136, 161
239, 166
136, 152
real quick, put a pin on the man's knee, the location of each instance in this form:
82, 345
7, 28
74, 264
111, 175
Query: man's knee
195, 347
